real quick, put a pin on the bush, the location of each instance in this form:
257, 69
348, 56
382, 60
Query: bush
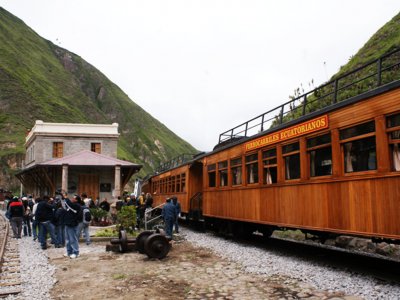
98, 214
126, 218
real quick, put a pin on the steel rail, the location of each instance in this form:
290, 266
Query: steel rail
4, 241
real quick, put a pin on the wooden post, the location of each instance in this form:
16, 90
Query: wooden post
64, 178
117, 183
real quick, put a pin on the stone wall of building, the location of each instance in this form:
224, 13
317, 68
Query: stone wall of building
41, 149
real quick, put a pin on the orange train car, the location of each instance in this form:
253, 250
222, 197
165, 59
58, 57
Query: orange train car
182, 178
327, 162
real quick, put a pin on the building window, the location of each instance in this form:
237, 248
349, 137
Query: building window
223, 173
236, 170
291, 155
58, 148
95, 147
270, 170
320, 155
393, 125
252, 168
359, 147
211, 175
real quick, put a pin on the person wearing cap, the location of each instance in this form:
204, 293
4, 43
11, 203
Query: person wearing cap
16, 213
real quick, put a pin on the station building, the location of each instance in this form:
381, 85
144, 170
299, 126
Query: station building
77, 158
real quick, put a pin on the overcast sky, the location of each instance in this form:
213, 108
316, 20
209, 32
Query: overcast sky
203, 67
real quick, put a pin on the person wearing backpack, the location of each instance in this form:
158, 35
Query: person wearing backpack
72, 218
84, 224
16, 213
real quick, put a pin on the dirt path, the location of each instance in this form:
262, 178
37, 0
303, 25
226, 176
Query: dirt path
186, 273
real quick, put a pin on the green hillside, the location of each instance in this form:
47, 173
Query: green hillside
351, 80
39, 80
383, 41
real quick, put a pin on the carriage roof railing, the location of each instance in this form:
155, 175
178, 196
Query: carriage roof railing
175, 162
374, 74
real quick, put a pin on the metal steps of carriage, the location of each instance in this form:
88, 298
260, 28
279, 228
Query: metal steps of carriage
10, 276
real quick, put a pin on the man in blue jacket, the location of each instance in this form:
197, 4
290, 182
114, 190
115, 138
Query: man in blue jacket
178, 212
169, 214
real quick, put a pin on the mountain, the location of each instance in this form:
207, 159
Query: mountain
39, 80
351, 79
383, 41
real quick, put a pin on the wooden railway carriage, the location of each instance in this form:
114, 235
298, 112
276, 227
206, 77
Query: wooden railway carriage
183, 181
329, 162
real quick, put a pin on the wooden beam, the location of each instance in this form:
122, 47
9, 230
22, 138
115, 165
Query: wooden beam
130, 173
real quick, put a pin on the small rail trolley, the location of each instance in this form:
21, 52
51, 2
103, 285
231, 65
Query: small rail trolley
326, 162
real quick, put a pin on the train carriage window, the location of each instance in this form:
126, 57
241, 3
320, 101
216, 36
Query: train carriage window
359, 147
183, 182
155, 184
320, 155
178, 183
236, 171
223, 173
173, 184
211, 175
169, 185
291, 155
270, 173
393, 125
252, 168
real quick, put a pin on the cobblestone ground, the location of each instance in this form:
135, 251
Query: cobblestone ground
187, 273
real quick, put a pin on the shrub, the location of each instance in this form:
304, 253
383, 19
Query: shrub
126, 218
98, 214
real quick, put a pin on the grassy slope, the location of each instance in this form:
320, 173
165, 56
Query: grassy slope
39, 80
383, 41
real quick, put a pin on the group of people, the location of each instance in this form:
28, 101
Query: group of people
171, 212
65, 219
62, 218
141, 203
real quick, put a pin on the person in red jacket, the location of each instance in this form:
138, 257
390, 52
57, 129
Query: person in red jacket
16, 212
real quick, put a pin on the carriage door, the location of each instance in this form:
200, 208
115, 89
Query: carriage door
89, 184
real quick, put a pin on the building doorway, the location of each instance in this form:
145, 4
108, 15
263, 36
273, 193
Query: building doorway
89, 184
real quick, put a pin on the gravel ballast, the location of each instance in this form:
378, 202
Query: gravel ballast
38, 278
261, 261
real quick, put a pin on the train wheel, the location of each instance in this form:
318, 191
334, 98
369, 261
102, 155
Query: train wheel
141, 239
123, 241
242, 230
267, 232
157, 246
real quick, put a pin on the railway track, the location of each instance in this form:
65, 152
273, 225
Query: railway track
379, 267
384, 269
10, 276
